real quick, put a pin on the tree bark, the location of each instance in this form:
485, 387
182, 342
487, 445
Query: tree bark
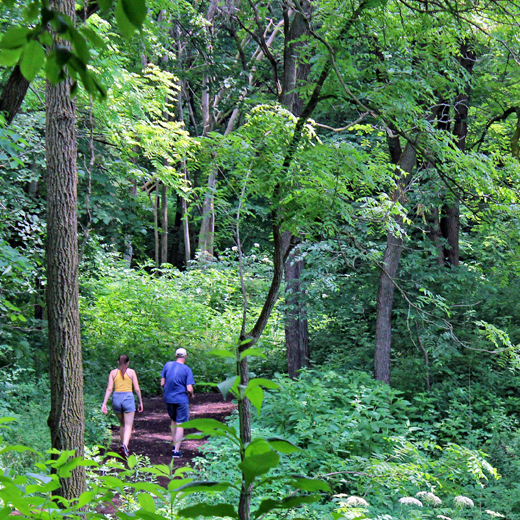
295, 71
385, 296
66, 418
450, 216
164, 223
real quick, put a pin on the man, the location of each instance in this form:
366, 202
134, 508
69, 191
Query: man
177, 381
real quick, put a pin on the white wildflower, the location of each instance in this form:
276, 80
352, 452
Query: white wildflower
429, 498
324, 295
494, 513
265, 259
410, 501
234, 248
354, 501
442, 517
256, 244
462, 501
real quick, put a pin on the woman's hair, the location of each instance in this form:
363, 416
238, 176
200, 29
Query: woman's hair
123, 364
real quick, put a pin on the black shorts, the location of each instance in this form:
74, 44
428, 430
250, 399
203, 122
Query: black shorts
178, 412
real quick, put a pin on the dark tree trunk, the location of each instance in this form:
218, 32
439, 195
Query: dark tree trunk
385, 296
296, 325
164, 223
295, 72
66, 419
13, 94
450, 219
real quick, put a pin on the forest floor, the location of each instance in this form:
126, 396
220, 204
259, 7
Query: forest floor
152, 435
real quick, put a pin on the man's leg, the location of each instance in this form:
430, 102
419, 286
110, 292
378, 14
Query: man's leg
177, 435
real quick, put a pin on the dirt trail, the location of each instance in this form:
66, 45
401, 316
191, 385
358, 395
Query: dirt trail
152, 435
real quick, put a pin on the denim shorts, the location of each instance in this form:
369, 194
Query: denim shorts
178, 412
123, 402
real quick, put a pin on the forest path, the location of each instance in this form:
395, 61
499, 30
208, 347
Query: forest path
152, 436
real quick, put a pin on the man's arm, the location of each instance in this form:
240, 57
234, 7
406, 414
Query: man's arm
190, 390
163, 381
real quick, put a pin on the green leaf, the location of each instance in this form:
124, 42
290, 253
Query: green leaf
85, 498
228, 385
93, 37
33, 58
255, 465
203, 487
15, 38
10, 57
209, 426
252, 352
309, 484
126, 27
221, 353
80, 46
259, 381
16, 448
286, 503
282, 445
8, 419
146, 502
135, 11
105, 5
203, 509
53, 70
256, 396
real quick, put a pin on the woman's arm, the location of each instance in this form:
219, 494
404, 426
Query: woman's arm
110, 387
133, 375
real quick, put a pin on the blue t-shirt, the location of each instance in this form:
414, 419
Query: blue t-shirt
177, 376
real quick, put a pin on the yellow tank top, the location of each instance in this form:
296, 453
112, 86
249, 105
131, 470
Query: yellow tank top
123, 385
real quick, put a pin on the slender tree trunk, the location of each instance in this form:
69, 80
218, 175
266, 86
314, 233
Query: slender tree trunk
296, 325
450, 219
67, 418
164, 224
385, 296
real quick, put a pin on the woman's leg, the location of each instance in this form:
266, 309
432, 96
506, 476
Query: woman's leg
121, 418
128, 422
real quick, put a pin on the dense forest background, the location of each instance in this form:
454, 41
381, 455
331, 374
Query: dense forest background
332, 183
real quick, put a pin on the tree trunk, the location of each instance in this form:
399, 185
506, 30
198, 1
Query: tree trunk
450, 219
164, 224
296, 325
295, 72
385, 296
13, 94
66, 418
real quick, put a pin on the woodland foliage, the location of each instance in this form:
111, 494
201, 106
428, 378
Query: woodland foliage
221, 143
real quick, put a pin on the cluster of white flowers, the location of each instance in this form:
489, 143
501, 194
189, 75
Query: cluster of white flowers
494, 513
410, 501
234, 248
256, 244
462, 501
429, 498
442, 517
354, 501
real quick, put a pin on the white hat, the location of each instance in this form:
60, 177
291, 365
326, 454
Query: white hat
180, 352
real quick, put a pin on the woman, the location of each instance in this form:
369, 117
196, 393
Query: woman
123, 401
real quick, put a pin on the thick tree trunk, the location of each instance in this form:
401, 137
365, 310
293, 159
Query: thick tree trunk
385, 296
295, 72
66, 419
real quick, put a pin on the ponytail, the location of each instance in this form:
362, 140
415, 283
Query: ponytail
123, 364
